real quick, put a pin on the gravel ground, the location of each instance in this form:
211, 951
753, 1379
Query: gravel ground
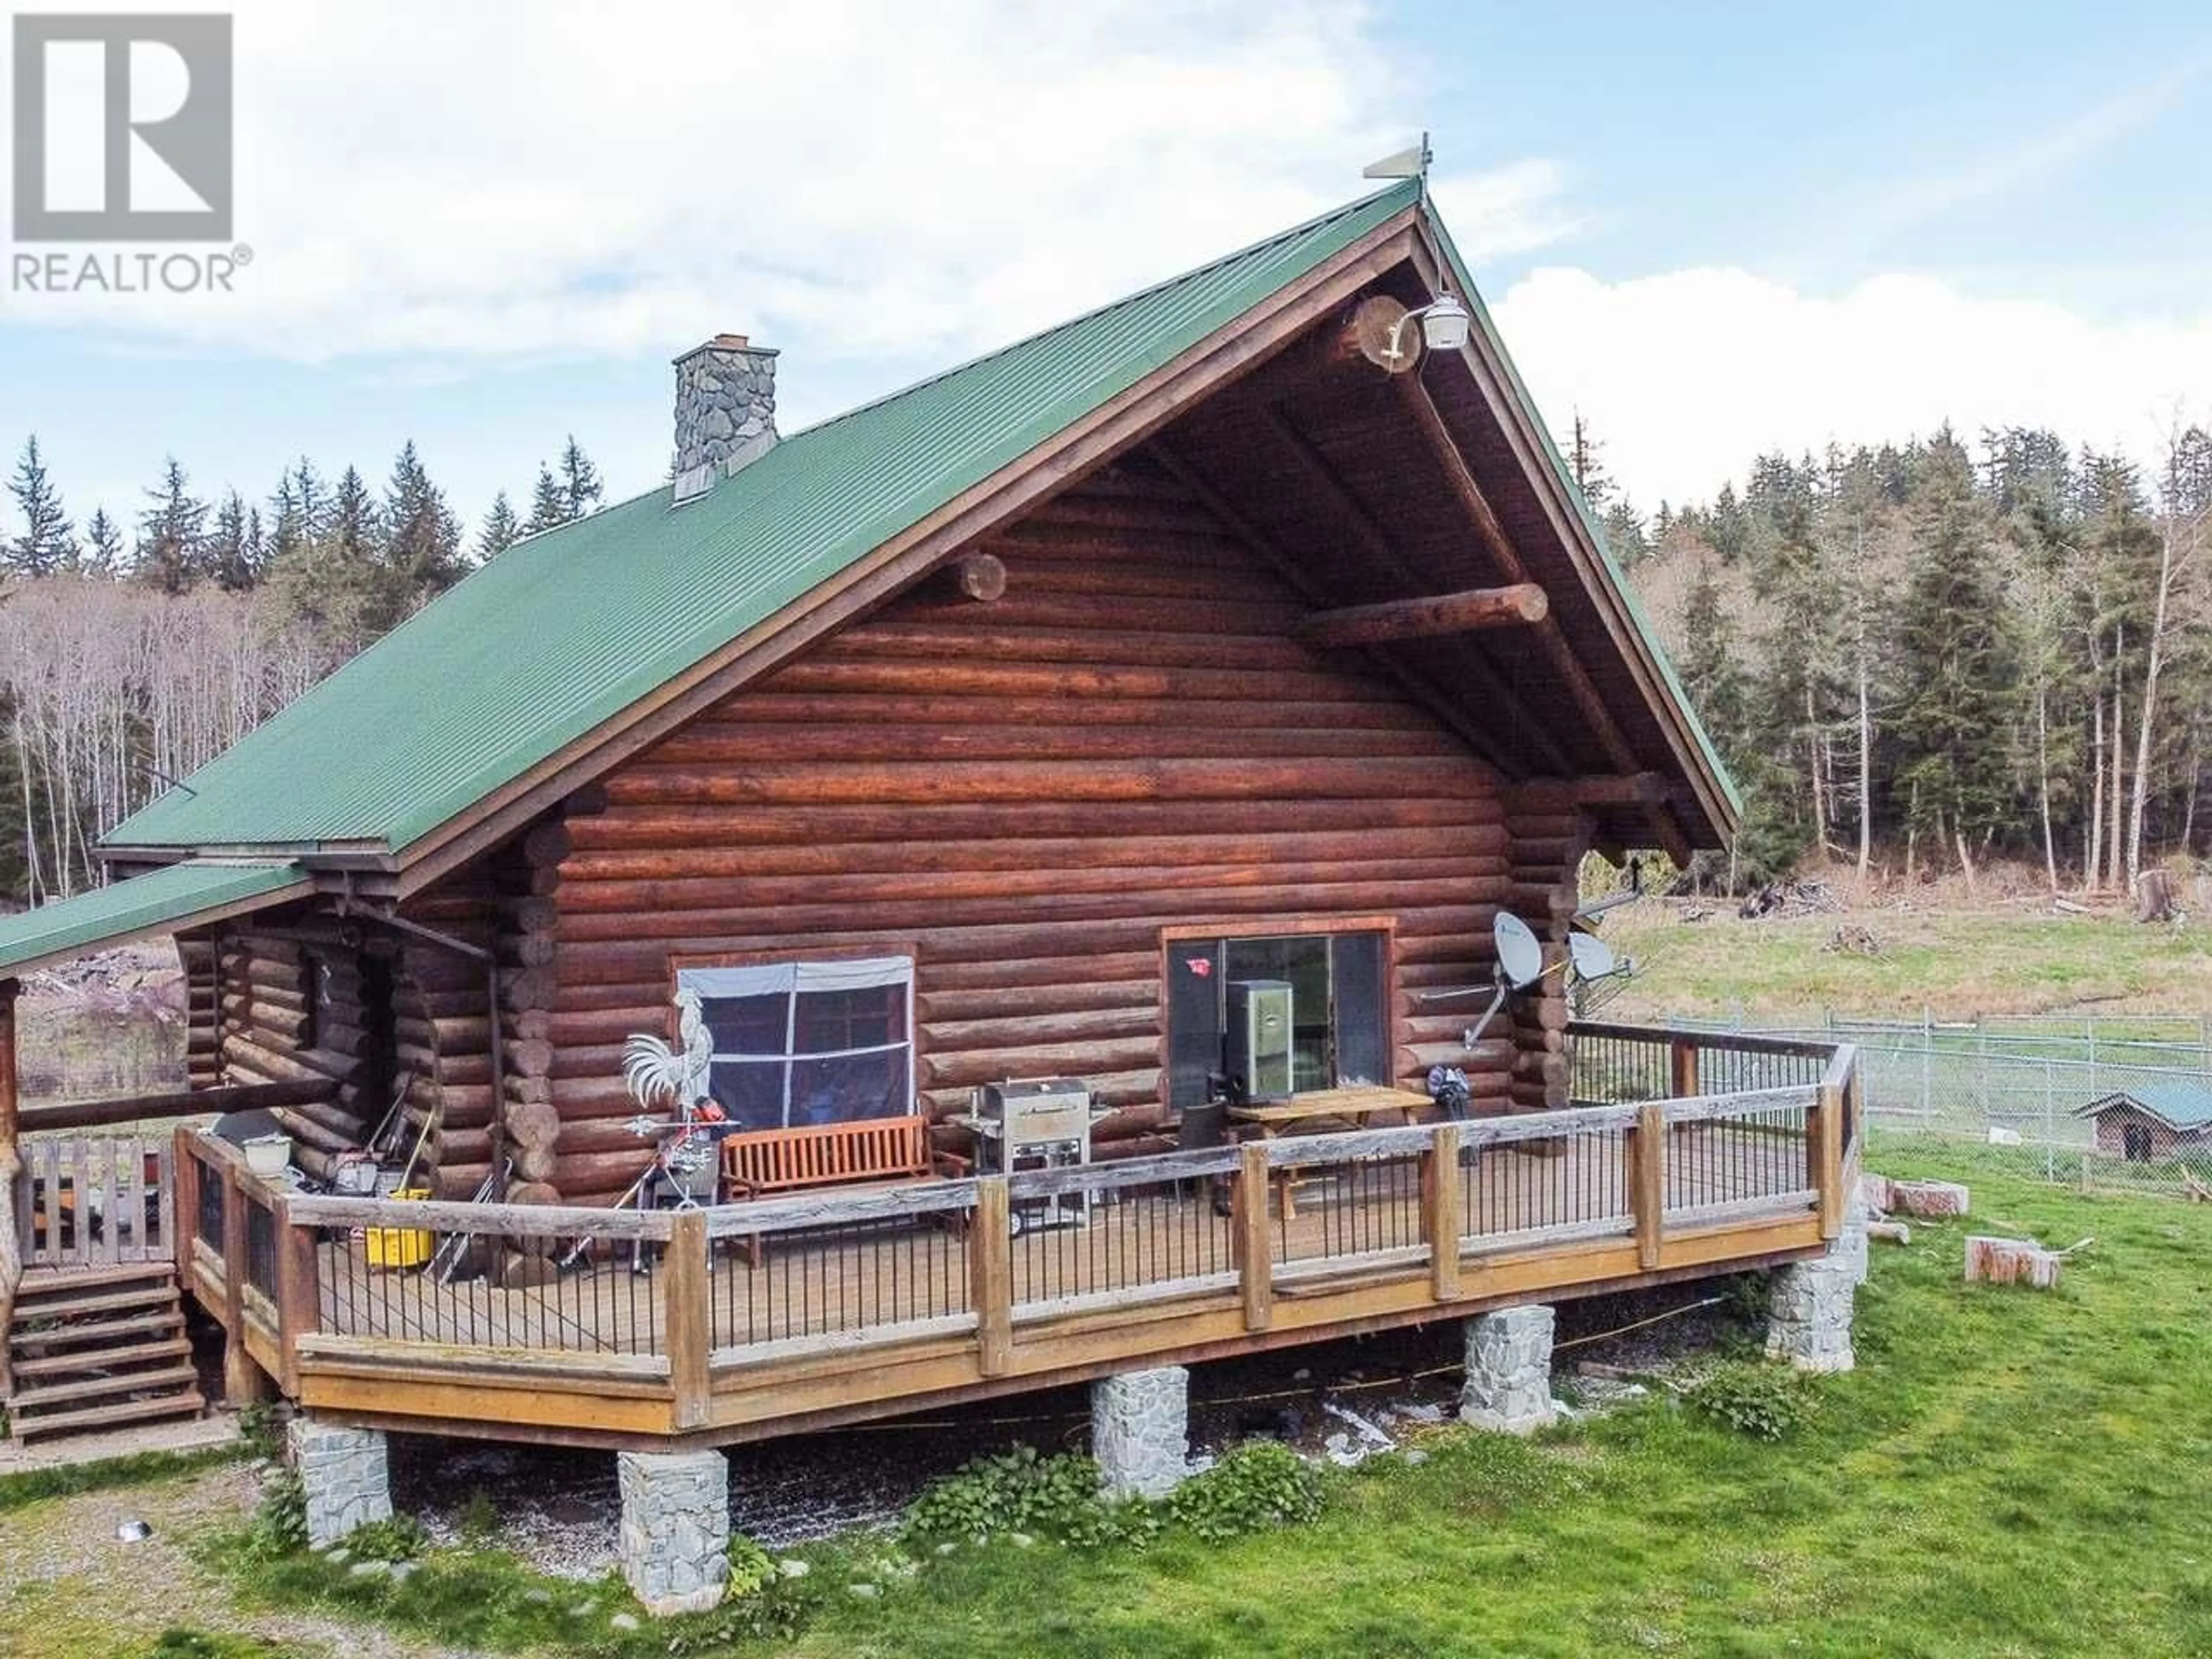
69, 1589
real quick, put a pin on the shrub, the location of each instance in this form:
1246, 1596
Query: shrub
1008, 1491
279, 1527
776, 1608
1763, 1401
752, 1568
1257, 1486
395, 1538
261, 1428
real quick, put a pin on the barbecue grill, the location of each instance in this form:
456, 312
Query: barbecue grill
1037, 1123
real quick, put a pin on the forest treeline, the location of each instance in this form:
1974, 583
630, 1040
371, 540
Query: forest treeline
1922, 654
130, 654
1928, 654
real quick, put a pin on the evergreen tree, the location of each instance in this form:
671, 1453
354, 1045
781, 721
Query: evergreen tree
300, 510
1726, 526
579, 479
353, 524
422, 539
1624, 536
47, 546
103, 552
1585, 459
229, 558
499, 531
549, 504
336, 581
1959, 658
169, 534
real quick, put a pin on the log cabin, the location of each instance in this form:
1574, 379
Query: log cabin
1247, 631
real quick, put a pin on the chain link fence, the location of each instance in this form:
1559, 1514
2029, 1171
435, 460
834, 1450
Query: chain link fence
2017, 1086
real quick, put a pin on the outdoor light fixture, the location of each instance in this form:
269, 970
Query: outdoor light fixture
1445, 323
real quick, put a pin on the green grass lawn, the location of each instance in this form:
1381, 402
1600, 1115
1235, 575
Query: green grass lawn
2006, 1472
1958, 964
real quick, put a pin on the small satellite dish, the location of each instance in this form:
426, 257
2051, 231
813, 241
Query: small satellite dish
1519, 957
1592, 955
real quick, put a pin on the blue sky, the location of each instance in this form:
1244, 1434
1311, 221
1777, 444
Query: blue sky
1707, 227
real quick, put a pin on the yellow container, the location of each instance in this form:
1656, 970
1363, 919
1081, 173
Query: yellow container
400, 1247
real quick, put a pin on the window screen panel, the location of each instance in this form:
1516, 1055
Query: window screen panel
748, 1025
829, 1022
750, 1090
1362, 1013
1193, 1019
841, 1088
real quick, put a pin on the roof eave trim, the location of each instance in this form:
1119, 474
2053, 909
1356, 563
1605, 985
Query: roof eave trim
1719, 802
202, 917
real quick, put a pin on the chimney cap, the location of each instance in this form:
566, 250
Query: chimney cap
728, 343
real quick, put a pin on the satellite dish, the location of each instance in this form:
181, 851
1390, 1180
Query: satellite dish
1592, 955
1519, 957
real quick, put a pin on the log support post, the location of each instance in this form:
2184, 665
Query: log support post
1255, 1264
1443, 1212
1433, 616
244, 1381
1647, 1181
298, 1294
981, 577
991, 1275
1824, 1140
690, 1336
1682, 1066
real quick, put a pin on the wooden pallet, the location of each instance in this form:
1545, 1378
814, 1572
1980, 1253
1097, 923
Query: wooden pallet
94, 1348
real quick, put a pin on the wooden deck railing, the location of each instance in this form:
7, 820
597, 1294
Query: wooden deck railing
540, 1321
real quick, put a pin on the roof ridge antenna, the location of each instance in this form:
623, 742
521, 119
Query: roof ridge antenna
1411, 162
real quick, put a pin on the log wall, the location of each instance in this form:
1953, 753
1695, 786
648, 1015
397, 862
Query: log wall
1548, 837
1022, 794
249, 993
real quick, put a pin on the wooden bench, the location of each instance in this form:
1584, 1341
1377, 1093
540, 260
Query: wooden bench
874, 1152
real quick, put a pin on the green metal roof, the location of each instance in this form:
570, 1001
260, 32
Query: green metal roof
2183, 1104
168, 899
566, 631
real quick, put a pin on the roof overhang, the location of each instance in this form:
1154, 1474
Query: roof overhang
191, 893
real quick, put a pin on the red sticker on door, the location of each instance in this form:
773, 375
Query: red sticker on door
1200, 966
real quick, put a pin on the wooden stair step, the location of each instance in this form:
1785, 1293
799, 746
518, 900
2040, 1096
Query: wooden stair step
105, 1330
113, 1301
39, 1282
188, 1404
28, 1401
138, 1353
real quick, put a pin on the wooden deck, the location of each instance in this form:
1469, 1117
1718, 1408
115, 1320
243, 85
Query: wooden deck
604, 1327
1168, 1239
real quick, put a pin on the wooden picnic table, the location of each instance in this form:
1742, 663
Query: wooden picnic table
1304, 1114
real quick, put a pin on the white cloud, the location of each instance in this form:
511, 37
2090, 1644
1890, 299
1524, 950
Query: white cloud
566, 179
1685, 377
1515, 209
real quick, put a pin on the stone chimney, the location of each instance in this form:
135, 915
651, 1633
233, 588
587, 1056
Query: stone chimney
725, 411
